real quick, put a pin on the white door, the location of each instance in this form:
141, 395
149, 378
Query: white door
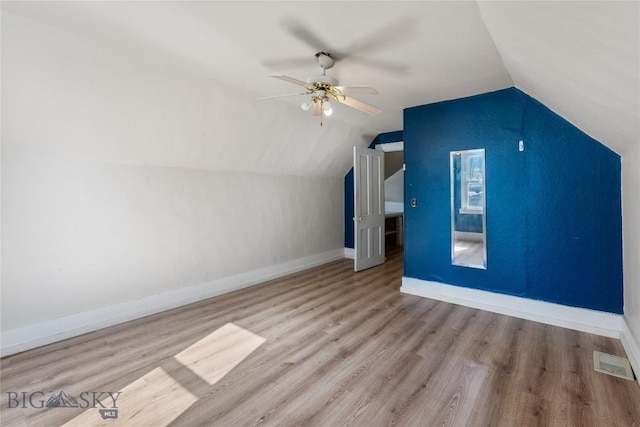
368, 221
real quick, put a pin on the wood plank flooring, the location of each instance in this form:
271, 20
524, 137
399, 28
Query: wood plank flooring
324, 347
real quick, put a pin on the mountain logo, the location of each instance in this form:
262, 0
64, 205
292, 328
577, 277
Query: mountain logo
104, 401
62, 400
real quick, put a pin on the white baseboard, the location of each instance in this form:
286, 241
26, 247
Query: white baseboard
350, 253
23, 338
632, 348
580, 319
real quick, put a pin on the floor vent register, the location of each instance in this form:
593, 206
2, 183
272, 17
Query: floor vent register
612, 365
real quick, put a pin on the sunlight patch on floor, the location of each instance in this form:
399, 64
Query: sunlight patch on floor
158, 398
217, 354
154, 399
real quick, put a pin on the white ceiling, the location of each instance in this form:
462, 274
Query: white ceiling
581, 59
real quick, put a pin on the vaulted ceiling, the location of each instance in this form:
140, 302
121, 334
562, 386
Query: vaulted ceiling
581, 59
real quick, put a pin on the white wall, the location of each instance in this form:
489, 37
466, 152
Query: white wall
631, 245
394, 187
78, 235
123, 180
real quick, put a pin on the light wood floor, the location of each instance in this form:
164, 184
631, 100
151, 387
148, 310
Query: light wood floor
327, 347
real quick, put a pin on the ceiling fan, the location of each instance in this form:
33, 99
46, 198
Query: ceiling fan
393, 34
322, 88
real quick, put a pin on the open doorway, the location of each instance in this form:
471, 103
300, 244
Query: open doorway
394, 205
393, 193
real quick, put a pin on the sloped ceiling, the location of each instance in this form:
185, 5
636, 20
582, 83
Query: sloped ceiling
581, 59
578, 58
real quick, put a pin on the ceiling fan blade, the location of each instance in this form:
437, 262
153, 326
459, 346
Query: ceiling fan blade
305, 35
383, 38
356, 90
359, 105
288, 79
281, 96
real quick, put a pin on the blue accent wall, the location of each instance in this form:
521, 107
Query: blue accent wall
348, 210
382, 138
554, 218
387, 137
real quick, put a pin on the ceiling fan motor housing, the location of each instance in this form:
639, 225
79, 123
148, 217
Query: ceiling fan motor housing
323, 78
325, 60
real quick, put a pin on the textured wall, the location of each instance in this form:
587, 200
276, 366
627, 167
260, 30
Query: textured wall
348, 210
553, 211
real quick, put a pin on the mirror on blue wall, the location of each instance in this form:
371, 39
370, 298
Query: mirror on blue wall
468, 209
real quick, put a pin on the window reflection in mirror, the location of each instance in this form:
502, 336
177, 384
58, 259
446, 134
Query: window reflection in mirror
468, 209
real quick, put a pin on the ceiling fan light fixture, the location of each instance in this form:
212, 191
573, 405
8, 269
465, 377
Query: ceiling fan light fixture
321, 88
326, 108
317, 107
